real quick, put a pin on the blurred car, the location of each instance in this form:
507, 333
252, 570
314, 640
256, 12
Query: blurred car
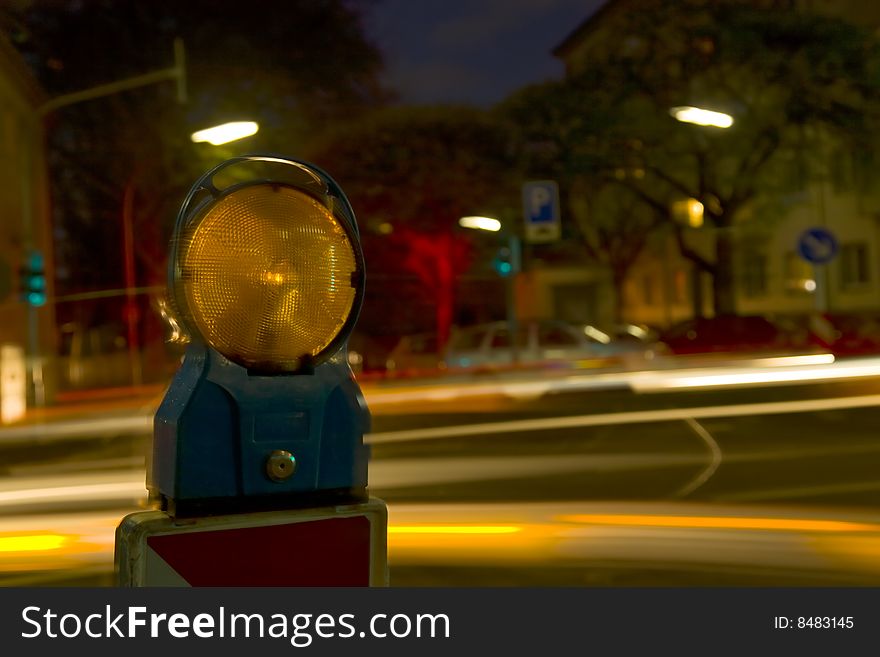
624, 338
366, 355
414, 354
93, 356
542, 343
845, 334
726, 333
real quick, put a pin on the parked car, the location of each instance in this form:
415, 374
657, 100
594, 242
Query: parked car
845, 334
541, 343
366, 354
414, 354
93, 356
624, 338
726, 334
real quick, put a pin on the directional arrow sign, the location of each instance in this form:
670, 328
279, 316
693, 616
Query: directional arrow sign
817, 245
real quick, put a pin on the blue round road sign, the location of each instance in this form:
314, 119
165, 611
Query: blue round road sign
817, 245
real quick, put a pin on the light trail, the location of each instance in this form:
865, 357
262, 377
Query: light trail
139, 424
797, 369
632, 417
803, 369
538, 534
32, 542
721, 522
454, 529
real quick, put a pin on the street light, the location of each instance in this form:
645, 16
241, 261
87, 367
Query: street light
507, 263
699, 116
225, 133
480, 223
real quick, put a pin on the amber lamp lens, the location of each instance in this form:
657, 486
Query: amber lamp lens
267, 275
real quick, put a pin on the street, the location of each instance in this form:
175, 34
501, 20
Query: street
535, 480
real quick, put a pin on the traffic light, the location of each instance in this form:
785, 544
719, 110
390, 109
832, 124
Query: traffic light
507, 259
32, 280
502, 262
264, 416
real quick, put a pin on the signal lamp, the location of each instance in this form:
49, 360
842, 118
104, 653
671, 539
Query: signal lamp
268, 271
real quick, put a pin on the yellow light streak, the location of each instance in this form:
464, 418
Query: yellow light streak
32, 543
710, 522
454, 529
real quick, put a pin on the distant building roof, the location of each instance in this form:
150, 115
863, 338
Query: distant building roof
582, 30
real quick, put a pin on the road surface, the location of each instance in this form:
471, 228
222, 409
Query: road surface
762, 475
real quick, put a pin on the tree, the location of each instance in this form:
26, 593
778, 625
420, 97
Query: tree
411, 173
556, 135
615, 227
793, 81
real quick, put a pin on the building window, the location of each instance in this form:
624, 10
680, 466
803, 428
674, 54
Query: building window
854, 269
755, 275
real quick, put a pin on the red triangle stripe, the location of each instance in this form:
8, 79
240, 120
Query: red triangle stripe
329, 552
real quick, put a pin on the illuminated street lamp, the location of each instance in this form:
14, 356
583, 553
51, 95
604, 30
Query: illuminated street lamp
699, 116
689, 211
480, 223
225, 133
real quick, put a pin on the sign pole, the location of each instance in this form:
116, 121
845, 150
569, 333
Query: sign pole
820, 275
818, 246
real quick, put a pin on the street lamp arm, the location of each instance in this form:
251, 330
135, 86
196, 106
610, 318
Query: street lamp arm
176, 72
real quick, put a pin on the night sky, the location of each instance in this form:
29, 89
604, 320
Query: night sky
471, 51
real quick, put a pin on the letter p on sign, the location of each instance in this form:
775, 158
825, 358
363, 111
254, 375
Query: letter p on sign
541, 211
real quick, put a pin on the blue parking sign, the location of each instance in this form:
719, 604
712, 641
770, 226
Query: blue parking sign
817, 245
541, 211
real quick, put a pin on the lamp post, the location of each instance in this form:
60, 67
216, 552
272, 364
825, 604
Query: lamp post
507, 263
177, 73
693, 208
215, 135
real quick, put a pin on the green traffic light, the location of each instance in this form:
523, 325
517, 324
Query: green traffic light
33, 280
36, 298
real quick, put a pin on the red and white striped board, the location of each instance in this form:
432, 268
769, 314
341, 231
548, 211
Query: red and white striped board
329, 546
